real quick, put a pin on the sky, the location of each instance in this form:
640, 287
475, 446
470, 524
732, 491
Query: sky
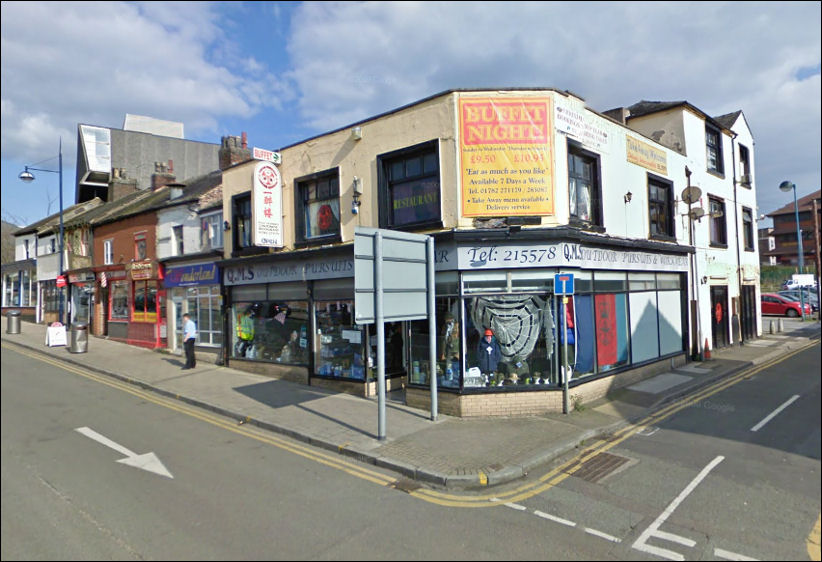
285, 71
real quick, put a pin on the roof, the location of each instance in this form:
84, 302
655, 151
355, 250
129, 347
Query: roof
803, 203
728, 119
646, 107
53, 221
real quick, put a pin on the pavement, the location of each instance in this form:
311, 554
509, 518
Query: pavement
451, 452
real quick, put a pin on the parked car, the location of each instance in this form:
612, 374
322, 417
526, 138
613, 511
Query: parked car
774, 303
810, 297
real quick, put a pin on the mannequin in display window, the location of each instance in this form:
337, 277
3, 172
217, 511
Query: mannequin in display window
488, 354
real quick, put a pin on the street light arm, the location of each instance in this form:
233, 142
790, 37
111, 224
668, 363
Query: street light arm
41, 170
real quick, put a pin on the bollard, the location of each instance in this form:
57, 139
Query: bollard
779, 326
770, 327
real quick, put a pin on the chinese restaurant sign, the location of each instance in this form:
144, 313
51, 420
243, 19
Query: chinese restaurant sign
267, 203
507, 158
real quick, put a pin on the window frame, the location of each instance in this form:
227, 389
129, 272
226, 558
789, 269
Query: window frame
237, 216
712, 132
108, 251
718, 225
665, 208
575, 149
178, 234
140, 237
748, 229
745, 165
207, 222
302, 202
387, 185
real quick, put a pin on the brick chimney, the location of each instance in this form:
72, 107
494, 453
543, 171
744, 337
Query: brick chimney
120, 185
162, 175
233, 151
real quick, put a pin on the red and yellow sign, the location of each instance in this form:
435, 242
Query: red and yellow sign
645, 155
507, 157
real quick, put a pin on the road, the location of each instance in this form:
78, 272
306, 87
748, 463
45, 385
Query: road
696, 482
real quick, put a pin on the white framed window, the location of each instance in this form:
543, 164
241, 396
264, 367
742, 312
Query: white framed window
108, 252
211, 227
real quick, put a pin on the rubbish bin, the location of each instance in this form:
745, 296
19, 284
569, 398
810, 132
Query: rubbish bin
78, 342
13, 322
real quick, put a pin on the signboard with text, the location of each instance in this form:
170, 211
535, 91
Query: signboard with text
506, 149
268, 155
645, 155
267, 204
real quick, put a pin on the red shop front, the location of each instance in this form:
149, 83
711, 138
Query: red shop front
137, 306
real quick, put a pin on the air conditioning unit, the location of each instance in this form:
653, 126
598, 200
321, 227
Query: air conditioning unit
745, 179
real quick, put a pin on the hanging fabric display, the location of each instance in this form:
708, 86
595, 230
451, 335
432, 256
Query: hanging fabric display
516, 321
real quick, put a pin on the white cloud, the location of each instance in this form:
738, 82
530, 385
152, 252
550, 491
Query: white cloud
354, 60
65, 63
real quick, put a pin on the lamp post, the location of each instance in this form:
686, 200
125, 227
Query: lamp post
788, 186
27, 177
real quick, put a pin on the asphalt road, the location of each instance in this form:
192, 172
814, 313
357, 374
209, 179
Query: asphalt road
697, 483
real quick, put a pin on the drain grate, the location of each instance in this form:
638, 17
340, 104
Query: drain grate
597, 467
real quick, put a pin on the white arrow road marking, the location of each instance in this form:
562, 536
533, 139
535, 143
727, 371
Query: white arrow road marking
653, 529
147, 461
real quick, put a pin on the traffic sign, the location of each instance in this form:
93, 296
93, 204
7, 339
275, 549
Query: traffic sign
61, 281
564, 284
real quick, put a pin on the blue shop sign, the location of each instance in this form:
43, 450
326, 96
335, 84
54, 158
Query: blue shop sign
191, 275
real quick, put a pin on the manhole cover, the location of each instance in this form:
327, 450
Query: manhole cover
597, 467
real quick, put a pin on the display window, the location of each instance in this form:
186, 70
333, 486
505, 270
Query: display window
448, 339
203, 303
119, 301
274, 331
145, 301
339, 341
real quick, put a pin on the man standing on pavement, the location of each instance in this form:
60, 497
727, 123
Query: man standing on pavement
189, 335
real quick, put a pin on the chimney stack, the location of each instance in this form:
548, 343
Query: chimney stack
161, 176
233, 150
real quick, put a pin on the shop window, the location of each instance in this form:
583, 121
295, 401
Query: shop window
108, 252
748, 229
584, 189
448, 340
241, 219
274, 331
409, 187
140, 246
120, 302
318, 207
211, 228
660, 207
8, 287
719, 229
713, 146
203, 303
339, 341
611, 322
145, 301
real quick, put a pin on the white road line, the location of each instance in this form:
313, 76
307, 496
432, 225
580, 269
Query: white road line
674, 538
770, 416
516, 506
728, 555
652, 530
602, 535
555, 518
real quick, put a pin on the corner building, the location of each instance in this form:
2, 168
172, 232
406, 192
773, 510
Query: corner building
515, 187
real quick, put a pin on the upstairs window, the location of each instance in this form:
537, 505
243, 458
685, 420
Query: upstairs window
409, 187
242, 221
211, 227
748, 229
108, 252
745, 166
318, 207
713, 145
719, 229
660, 207
140, 246
584, 190
179, 245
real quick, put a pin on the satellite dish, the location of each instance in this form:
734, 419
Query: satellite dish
697, 213
691, 194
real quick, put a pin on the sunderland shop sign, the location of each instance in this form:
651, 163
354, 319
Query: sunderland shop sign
506, 256
289, 270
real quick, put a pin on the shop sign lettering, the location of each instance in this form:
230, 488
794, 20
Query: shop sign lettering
289, 271
203, 274
267, 203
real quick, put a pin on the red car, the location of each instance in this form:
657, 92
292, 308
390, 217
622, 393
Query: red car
779, 305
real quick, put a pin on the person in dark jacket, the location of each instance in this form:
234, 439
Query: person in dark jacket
488, 354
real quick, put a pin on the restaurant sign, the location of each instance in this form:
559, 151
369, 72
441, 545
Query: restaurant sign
267, 205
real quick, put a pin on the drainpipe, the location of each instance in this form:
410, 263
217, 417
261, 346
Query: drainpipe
735, 318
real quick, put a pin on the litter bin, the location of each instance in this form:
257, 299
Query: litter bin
13, 322
78, 342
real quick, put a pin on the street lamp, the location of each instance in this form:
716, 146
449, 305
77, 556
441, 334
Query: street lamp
788, 186
27, 177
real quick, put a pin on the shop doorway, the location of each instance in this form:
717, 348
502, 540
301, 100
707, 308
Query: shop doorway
719, 316
749, 305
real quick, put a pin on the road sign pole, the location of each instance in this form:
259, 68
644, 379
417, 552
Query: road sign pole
379, 319
432, 328
565, 378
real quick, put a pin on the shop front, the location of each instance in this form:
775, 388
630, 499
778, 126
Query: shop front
194, 288
136, 304
293, 318
503, 332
